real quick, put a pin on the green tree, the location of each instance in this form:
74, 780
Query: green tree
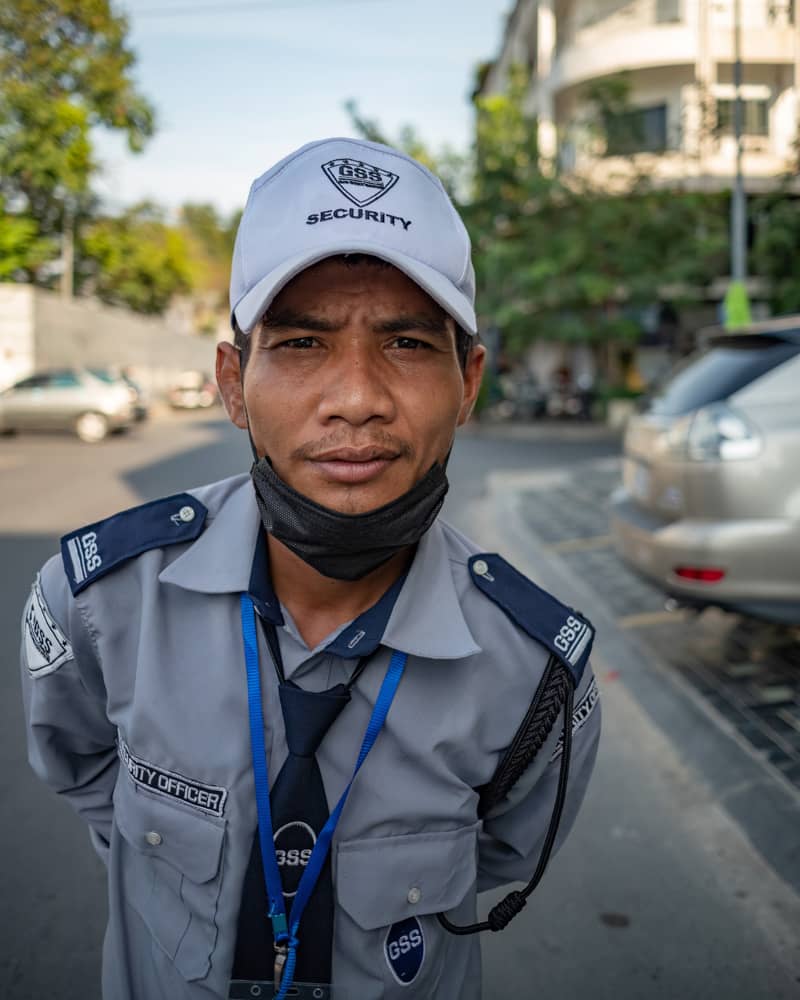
21, 247
775, 255
65, 67
136, 259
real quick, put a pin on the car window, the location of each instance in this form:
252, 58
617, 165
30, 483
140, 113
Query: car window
32, 382
719, 371
63, 380
103, 375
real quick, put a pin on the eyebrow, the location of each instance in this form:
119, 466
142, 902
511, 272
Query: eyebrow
417, 321
289, 319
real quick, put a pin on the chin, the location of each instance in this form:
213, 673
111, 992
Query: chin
362, 499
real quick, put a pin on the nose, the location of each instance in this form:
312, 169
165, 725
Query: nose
357, 390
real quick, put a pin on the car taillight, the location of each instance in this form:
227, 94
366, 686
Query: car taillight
703, 574
719, 433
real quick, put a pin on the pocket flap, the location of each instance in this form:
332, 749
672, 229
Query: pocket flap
189, 842
383, 880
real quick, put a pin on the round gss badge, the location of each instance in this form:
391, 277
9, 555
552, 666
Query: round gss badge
294, 843
405, 950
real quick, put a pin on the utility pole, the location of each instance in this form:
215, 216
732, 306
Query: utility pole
738, 203
68, 250
737, 306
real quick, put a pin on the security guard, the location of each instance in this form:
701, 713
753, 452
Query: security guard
279, 700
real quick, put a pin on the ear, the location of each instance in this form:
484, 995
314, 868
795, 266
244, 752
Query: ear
229, 380
473, 375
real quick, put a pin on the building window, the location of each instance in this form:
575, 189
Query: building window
640, 130
668, 11
755, 117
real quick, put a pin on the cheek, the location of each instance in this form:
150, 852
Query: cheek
433, 409
276, 407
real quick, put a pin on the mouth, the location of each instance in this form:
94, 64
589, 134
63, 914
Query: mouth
353, 465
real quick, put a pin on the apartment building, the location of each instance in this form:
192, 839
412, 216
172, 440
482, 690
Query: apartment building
678, 58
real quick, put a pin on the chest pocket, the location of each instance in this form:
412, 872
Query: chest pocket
170, 873
384, 882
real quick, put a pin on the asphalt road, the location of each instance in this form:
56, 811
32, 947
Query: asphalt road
658, 893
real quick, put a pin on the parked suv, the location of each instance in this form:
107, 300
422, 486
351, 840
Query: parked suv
66, 399
709, 509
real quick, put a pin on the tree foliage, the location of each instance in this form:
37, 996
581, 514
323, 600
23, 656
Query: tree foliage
65, 68
775, 252
210, 240
21, 247
136, 259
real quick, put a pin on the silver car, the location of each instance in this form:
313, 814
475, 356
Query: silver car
66, 399
709, 509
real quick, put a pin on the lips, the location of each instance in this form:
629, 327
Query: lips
353, 465
370, 453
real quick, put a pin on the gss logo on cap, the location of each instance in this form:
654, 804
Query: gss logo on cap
361, 182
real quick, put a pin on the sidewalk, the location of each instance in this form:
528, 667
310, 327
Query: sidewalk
681, 876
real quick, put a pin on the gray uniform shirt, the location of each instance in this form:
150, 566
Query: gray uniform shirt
136, 705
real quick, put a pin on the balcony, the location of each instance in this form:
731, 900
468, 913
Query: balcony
594, 40
636, 35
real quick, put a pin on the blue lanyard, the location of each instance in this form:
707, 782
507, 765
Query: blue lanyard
283, 934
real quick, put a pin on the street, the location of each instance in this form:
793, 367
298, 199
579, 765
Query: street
682, 876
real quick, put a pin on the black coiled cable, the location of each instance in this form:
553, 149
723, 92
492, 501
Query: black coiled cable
556, 690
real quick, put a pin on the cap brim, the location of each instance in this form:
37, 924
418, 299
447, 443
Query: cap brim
252, 306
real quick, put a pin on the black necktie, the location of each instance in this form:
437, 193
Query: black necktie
299, 811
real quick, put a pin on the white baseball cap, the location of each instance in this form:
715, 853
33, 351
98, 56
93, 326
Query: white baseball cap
339, 196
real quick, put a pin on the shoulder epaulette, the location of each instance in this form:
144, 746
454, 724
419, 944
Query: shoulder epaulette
566, 633
96, 549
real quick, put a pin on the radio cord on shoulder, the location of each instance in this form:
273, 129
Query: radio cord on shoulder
555, 691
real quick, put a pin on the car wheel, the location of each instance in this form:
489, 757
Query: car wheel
91, 427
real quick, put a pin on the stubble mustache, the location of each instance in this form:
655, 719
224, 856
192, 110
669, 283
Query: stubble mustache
312, 450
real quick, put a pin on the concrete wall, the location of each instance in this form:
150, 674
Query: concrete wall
39, 329
16, 332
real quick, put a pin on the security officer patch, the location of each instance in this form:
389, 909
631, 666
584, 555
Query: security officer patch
46, 646
207, 798
405, 950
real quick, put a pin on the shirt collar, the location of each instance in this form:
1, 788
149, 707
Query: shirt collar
427, 619
424, 618
220, 560
260, 587
360, 637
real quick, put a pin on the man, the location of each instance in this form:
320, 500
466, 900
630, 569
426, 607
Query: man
276, 700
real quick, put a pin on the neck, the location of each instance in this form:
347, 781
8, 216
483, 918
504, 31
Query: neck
319, 604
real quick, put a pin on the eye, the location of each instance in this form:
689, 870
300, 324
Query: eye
298, 343
409, 343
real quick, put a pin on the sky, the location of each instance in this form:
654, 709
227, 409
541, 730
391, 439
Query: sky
238, 84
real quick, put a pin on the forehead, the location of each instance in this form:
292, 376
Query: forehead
339, 282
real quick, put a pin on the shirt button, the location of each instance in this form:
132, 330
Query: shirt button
480, 567
186, 514
414, 895
153, 838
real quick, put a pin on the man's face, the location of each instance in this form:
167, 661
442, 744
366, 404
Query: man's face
352, 387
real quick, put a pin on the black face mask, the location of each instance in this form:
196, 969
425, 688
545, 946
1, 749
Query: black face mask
346, 546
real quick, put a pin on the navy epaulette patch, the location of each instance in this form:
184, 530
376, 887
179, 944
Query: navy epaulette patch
565, 632
93, 551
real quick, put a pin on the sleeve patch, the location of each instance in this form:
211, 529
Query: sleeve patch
580, 715
46, 646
